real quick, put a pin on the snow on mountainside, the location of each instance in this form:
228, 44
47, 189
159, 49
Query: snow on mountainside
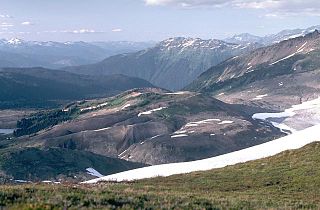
273, 38
244, 38
15, 41
171, 64
296, 118
294, 141
274, 77
195, 43
290, 34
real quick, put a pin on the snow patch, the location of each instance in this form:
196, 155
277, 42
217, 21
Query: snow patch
301, 49
94, 107
195, 124
93, 172
102, 129
225, 122
153, 137
21, 181
125, 106
180, 132
179, 136
177, 93
151, 111
286, 114
259, 97
122, 153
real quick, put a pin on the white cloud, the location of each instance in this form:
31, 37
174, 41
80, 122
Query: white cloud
83, 31
6, 25
27, 23
158, 2
117, 30
5, 16
275, 7
6, 32
78, 31
24, 32
188, 3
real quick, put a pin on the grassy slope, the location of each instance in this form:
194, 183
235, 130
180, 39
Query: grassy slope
36, 164
288, 180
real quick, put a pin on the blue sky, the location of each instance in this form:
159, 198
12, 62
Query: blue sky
145, 20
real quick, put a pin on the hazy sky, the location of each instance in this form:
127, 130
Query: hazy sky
143, 20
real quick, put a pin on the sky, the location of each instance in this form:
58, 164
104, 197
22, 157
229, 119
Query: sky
151, 20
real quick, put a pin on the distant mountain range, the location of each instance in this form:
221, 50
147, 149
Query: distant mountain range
19, 53
171, 64
39, 87
273, 38
176, 62
275, 77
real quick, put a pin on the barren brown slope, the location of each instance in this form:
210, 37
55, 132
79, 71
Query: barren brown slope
282, 74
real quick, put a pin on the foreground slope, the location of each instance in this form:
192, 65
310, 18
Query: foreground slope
290, 180
55, 164
171, 64
276, 77
38, 87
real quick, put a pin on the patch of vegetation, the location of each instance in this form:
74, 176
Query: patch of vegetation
42, 120
194, 105
290, 180
117, 102
146, 99
37, 164
173, 110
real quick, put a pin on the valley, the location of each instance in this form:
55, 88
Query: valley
150, 126
23, 88
178, 123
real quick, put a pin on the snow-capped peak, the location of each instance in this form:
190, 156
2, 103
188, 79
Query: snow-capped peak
244, 38
15, 41
182, 43
272, 38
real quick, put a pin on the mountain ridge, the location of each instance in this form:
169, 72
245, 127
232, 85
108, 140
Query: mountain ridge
51, 54
38, 87
267, 71
272, 38
171, 64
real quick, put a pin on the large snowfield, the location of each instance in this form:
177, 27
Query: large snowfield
294, 141
296, 118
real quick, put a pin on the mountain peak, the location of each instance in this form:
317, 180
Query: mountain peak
315, 33
15, 41
273, 38
191, 43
